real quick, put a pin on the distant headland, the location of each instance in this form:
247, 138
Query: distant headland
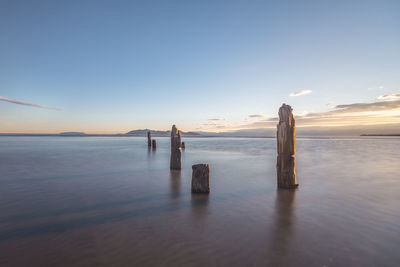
72, 133
380, 134
155, 133
141, 132
253, 133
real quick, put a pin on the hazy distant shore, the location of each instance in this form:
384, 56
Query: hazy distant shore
258, 133
126, 135
380, 135
195, 136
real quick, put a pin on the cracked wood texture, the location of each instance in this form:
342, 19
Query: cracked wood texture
286, 147
201, 178
176, 154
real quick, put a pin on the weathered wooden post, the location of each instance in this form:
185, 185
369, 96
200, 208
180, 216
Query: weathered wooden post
154, 143
201, 178
176, 154
183, 145
148, 138
286, 146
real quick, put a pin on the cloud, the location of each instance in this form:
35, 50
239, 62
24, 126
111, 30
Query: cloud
389, 97
209, 124
216, 119
363, 107
375, 113
2, 98
378, 113
256, 116
302, 92
376, 88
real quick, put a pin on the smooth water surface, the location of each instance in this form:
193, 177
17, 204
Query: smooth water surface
104, 201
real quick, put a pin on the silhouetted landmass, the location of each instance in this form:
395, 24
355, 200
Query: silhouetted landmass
320, 132
73, 133
82, 134
379, 134
60, 135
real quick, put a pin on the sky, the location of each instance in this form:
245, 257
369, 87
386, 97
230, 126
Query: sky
114, 66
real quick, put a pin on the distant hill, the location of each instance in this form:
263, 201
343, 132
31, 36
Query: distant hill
354, 130
379, 134
72, 133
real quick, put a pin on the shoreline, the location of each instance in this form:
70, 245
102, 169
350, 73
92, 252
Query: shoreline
206, 136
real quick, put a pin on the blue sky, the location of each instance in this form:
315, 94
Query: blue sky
114, 66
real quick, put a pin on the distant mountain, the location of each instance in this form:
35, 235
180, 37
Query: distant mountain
72, 133
157, 133
379, 134
354, 130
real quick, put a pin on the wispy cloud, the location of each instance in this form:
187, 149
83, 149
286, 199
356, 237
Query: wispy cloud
361, 114
6, 99
216, 119
302, 92
374, 113
256, 116
375, 88
389, 97
367, 107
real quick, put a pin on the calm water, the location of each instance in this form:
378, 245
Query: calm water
111, 202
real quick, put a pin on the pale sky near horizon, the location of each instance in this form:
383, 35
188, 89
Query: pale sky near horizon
115, 66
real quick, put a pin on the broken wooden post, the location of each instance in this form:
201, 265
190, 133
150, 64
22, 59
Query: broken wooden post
286, 146
148, 138
183, 145
154, 144
176, 155
201, 178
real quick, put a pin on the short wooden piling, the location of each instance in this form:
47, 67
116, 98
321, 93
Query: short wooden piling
154, 144
201, 178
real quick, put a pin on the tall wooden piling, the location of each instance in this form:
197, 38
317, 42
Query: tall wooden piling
148, 138
286, 147
176, 154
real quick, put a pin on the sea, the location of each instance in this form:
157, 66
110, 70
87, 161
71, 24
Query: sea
112, 201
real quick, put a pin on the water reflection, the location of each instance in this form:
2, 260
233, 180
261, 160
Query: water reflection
199, 203
175, 180
282, 230
148, 152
